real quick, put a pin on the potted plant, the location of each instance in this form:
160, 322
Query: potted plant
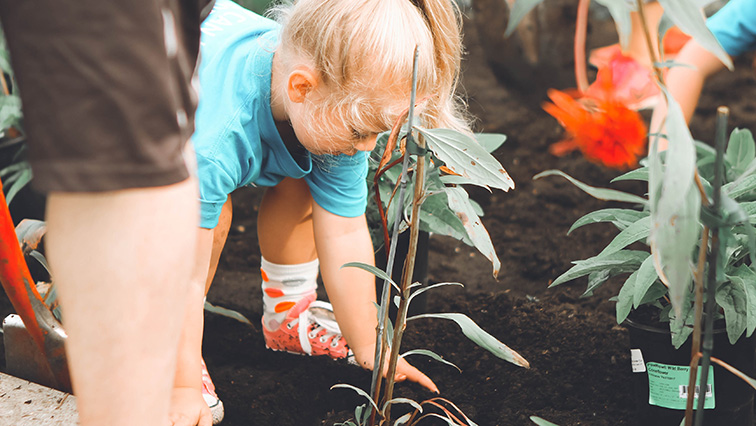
660, 332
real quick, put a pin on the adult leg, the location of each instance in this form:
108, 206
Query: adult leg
121, 260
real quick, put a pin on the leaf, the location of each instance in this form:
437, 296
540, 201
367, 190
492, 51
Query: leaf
10, 111
30, 232
745, 277
741, 151
633, 233
681, 325
373, 270
644, 280
21, 180
621, 218
403, 420
640, 174
731, 296
359, 392
402, 401
517, 12
480, 337
226, 313
627, 260
744, 185
490, 141
675, 205
429, 354
464, 156
620, 11
625, 298
599, 193
459, 203
426, 288
690, 20
541, 422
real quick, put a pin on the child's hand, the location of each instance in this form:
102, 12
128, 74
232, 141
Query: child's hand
188, 408
365, 357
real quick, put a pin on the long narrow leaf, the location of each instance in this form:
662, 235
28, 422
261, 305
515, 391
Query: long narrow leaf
480, 337
373, 270
541, 422
599, 193
633, 233
621, 218
227, 313
430, 354
627, 259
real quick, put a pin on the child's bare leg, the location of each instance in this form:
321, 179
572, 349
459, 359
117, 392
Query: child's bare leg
122, 261
284, 224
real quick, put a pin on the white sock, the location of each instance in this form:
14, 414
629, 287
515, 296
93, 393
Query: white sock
283, 286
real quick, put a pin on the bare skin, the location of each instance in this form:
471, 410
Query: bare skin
114, 284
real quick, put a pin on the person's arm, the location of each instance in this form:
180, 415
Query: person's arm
188, 408
685, 84
340, 240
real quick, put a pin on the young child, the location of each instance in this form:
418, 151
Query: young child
295, 106
734, 26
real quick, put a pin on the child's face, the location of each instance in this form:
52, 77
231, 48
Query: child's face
336, 137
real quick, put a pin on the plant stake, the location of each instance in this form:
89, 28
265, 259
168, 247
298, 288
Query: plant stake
382, 340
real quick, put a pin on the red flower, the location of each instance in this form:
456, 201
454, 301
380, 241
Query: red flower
604, 129
602, 122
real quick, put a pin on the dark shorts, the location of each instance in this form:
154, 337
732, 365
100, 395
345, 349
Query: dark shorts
106, 88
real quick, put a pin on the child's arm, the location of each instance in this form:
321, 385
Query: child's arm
340, 240
685, 84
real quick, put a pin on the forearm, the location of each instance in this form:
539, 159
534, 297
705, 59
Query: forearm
190, 346
350, 290
685, 83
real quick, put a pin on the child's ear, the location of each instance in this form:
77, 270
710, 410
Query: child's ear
301, 82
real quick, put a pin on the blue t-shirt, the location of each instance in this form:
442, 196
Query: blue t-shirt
236, 139
735, 26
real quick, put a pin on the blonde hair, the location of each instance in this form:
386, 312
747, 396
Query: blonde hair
363, 52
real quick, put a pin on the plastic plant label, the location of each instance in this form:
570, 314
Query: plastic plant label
668, 386
636, 359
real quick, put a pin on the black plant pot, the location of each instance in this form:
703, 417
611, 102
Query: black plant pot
660, 379
420, 273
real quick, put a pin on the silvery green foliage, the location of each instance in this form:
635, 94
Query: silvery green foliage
446, 208
669, 225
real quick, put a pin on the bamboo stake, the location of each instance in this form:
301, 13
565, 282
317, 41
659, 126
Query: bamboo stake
720, 139
409, 264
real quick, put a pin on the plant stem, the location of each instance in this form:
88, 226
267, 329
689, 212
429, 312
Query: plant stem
711, 284
696, 337
581, 27
649, 41
409, 263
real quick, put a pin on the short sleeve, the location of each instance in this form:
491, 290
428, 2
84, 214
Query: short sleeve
734, 26
337, 183
214, 185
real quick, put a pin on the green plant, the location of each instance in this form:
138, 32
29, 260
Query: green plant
736, 296
15, 171
697, 212
468, 163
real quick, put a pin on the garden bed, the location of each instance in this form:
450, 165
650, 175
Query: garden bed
580, 371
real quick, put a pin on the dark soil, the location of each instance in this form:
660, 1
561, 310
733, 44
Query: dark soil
580, 368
